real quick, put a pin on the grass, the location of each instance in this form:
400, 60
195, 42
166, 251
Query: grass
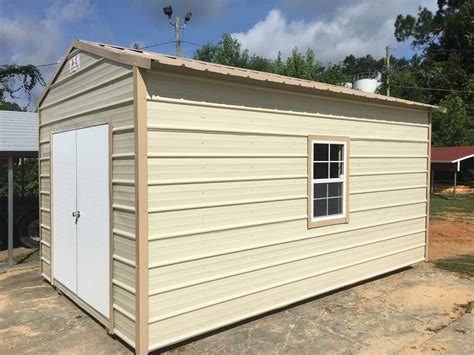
462, 264
440, 204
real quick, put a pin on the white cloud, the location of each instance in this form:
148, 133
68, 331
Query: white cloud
343, 28
27, 39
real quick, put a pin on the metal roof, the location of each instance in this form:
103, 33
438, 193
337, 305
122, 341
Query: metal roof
18, 133
146, 59
451, 154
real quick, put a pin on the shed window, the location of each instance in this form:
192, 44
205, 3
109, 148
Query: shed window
328, 171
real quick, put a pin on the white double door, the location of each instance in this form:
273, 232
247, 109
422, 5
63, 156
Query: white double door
80, 186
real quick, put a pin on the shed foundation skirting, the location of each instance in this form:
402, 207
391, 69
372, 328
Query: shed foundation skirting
212, 196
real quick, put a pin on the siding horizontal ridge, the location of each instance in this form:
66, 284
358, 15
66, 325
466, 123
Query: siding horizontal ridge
124, 312
412, 187
124, 208
257, 201
123, 286
184, 129
124, 260
124, 234
270, 221
387, 156
278, 112
118, 156
227, 155
89, 89
44, 242
218, 180
222, 155
124, 129
123, 182
83, 69
229, 227
247, 315
262, 246
262, 289
86, 112
230, 203
401, 172
371, 208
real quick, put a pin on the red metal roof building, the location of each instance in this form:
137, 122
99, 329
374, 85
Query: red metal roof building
451, 154
455, 159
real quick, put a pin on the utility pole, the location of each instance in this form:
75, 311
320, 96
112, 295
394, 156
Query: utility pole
168, 11
387, 65
178, 37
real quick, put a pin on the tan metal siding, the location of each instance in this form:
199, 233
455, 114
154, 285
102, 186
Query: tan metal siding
245, 96
207, 318
100, 92
228, 234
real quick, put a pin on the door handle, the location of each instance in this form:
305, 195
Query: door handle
76, 215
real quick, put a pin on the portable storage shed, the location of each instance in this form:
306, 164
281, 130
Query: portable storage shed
179, 196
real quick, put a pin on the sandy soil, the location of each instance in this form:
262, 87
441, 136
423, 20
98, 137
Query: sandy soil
460, 189
451, 234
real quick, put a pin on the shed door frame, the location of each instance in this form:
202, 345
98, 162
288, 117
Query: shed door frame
105, 320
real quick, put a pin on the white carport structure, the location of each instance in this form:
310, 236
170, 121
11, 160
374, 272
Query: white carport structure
18, 139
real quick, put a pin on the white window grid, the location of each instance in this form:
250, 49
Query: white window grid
340, 179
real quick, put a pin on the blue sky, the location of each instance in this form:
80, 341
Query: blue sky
39, 31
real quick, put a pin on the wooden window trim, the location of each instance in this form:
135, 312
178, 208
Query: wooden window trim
328, 222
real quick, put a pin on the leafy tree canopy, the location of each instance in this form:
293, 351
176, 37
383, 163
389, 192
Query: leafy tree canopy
228, 51
446, 68
15, 80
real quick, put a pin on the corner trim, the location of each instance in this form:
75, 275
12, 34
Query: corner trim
428, 188
141, 214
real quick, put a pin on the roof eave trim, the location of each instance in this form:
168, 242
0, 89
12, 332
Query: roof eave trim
439, 109
463, 158
455, 160
116, 56
381, 100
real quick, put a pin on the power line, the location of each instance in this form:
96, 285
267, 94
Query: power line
192, 43
434, 89
145, 47
40, 65
156, 45
45, 65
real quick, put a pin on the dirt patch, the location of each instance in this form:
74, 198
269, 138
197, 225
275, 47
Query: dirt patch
19, 330
460, 189
451, 234
422, 296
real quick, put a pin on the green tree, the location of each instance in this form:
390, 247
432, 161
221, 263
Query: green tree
454, 127
14, 80
334, 74
447, 68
